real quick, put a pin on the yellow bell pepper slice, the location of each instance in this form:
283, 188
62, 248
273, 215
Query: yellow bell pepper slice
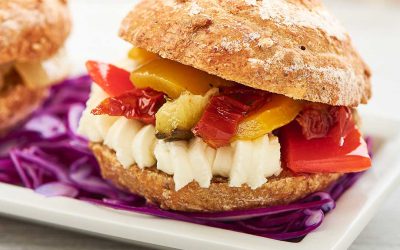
142, 56
280, 111
173, 78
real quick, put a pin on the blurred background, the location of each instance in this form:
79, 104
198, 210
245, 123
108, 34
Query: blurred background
375, 28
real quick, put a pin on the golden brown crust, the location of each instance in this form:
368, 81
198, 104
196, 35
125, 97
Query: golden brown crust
290, 47
17, 103
32, 30
158, 187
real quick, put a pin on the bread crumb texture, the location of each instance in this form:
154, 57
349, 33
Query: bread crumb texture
17, 103
32, 30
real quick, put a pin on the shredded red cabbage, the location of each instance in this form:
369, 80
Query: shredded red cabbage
47, 155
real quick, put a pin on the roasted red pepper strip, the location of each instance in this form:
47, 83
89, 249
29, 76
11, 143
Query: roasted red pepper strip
254, 98
220, 120
113, 80
341, 151
223, 114
138, 104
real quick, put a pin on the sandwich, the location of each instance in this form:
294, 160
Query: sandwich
228, 105
32, 35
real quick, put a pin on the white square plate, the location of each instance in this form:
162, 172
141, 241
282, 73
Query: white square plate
354, 209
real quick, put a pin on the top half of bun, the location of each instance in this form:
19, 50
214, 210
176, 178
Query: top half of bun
32, 30
290, 47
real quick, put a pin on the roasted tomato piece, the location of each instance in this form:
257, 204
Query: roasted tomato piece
316, 120
343, 118
113, 80
173, 78
254, 98
139, 104
221, 118
330, 154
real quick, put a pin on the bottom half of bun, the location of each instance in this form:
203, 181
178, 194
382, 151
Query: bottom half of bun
158, 187
17, 102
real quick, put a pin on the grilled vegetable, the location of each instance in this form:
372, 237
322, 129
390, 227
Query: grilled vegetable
176, 118
173, 78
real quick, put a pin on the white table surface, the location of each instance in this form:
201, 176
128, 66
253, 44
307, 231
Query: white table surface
375, 28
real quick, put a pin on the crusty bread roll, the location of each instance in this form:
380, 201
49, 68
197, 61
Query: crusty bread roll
17, 103
290, 47
32, 30
158, 187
